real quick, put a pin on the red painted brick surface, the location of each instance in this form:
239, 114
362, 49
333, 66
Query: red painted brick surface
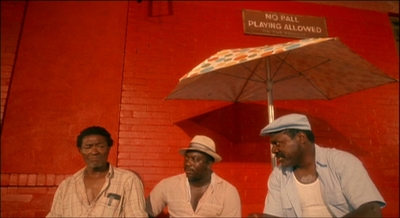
12, 13
163, 42
161, 47
66, 79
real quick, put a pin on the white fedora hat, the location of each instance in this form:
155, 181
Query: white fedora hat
203, 144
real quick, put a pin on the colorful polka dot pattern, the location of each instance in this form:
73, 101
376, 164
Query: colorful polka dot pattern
229, 57
317, 68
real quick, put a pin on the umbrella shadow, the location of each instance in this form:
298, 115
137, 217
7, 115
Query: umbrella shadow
236, 131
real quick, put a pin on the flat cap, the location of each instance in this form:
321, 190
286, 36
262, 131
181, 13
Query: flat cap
290, 121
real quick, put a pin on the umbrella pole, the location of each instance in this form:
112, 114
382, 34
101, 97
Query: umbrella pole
270, 107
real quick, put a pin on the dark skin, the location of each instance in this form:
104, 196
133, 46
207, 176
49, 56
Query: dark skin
298, 152
94, 150
197, 166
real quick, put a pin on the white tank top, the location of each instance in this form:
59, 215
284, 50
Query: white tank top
312, 204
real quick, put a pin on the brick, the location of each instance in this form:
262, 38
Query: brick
135, 121
130, 149
58, 179
32, 190
52, 190
23, 180
27, 213
32, 179
5, 179
6, 71
132, 135
14, 178
8, 56
131, 106
16, 198
41, 179
50, 179
125, 162
11, 49
4, 95
123, 156
7, 61
42, 213
126, 114
4, 88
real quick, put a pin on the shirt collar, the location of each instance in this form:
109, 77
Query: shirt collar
81, 173
320, 157
320, 160
110, 171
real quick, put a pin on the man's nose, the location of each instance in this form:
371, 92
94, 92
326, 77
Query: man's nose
94, 149
274, 149
188, 162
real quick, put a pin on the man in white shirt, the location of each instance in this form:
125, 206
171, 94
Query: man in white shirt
199, 192
313, 181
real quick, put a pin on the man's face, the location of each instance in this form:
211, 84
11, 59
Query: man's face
288, 151
196, 165
94, 150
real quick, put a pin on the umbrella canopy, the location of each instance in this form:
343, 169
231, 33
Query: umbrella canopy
317, 68
314, 68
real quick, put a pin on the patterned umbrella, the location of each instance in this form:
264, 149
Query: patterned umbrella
314, 68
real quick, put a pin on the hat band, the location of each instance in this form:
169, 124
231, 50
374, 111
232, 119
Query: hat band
194, 145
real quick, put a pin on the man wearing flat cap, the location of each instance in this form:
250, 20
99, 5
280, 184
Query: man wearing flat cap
312, 181
198, 192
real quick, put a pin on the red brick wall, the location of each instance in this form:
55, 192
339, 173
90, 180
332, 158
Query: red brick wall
68, 76
166, 41
163, 42
12, 13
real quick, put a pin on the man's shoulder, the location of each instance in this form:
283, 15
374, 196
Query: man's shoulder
168, 183
335, 153
172, 180
68, 179
121, 170
336, 157
178, 177
220, 180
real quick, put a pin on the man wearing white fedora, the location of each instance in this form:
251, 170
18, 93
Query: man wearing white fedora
198, 192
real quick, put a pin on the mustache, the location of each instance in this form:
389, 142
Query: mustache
279, 155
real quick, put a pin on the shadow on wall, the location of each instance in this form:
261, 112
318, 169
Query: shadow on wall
235, 129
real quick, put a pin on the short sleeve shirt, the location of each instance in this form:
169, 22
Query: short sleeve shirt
221, 199
121, 196
345, 185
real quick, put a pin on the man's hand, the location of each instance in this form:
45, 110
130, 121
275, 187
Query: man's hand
370, 209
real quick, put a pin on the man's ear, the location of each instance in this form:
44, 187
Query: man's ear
210, 163
302, 137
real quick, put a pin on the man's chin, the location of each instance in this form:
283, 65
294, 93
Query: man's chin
283, 163
189, 175
96, 165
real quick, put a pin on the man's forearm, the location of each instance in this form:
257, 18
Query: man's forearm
370, 209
